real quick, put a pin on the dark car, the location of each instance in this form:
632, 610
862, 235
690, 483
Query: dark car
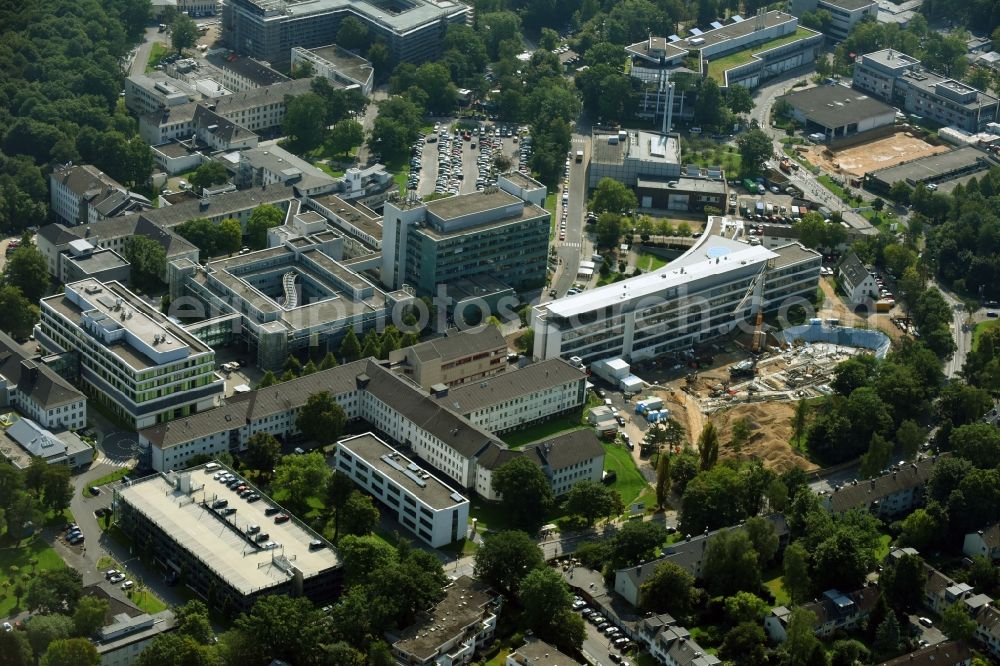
282, 518
271, 510
94, 490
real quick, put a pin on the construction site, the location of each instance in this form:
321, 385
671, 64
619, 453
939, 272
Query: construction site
873, 155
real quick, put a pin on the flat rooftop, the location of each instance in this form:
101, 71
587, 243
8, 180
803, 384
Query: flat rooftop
100, 260
836, 105
654, 48
346, 63
392, 464
356, 216
539, 653
638, 145
890, 58
403, 15
929, 82
718, 65
932, 166
256, 71
522, 180
734, 30
460, 205
461, 607
220, 543
685, 184
850, 5
675, 274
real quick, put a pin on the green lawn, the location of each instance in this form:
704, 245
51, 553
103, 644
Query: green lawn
629, 482
500, 659
156, 55
837, 190
717, 68
884, 543
777, 588
649, 262
147, 601
36, 548
981, 328
325, 168
550, 428
116, 475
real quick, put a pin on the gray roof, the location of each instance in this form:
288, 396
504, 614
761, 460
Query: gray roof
228, 203
935, 167
566, 449
991, 535
510, 385
794, 253
853, 270
457, 344
255, 70
864, 493
836, 105
417, 13
84, 179
850, 5
33, 378
464, 605
536, 652
862, 602
950, 653
118, 227
495, 456
57, 234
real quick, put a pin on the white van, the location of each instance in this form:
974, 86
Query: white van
211, 467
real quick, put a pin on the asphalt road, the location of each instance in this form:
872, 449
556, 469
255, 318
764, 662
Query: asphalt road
142, 53
576, 247
961, 333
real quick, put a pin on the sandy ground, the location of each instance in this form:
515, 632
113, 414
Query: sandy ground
874, 155
771, 428
834, 308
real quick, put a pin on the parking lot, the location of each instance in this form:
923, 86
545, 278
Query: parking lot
450, 161
603, 641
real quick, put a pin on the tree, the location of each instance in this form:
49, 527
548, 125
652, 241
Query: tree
506, 558
71, 652
148, 259
877, 458
853, 373
304, 121
730, 564
89, 615
668, 590
263, 217
350, 348
979, 443
57, 489
54, 591
345, 135
708, 446
922, 528
353, 34
263, 452
15, 649
589, 499
796, 577
764, 538
755, 149
683, 469
359, 515
957, 624
962, 404
278, 627
909, 438
18, 315
183, 33
27, 270
193, 620
713, 499
801, 642
886, 644
849, 653
739, 99
525, 492
268, 379
746, 607
900, 192
709, 109
745, 644
301, 477
840, 561
902, 582
321, 419
229, 236
329, 361
51, 628
544, 596
635, 541
662, 478
612, 197
608, 229
208, 174
740, 436
339, 489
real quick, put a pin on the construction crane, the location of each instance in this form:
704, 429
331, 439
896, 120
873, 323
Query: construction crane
754, 294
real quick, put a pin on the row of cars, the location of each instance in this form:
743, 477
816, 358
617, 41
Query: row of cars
73, 534
449, 178
236, 484
615, 636
114, 576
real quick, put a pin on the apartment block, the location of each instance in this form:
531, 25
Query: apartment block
834, 611
697, 297
228, 558
899, 79
457, 358
267, 30
895, 493
142, 366
82, 194
431, 510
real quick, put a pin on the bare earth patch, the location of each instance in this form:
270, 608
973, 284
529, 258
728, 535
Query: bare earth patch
873, 155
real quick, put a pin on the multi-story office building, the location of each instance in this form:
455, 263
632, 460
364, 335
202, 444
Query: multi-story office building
82, 194
153, 92
38, 391
515, 400
844, 14
435, 513
241, 74
257, 110
268, 29
227, 550
457, 358
142, 366
701, 295
406, 416
656, 64
484, 235
337, 64
898, 79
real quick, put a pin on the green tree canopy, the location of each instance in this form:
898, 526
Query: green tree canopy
591, 500
525, 492
345, 135
301, 477
263, 217
263, 452
148, 260
506, 558
612, 196
71, 652
183, 33
730, 564
321, 419
27, 270
305, 121
208, 174
755, 149
668, 589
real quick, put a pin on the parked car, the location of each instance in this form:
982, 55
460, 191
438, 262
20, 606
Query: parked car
128, 585
282, 518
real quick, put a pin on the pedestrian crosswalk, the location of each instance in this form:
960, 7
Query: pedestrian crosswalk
576, 245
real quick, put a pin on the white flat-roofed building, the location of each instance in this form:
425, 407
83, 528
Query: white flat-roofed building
519, 398
421, 502
627, 155
337, 64
144, 367
699, 296
121, 642
149, 93
221, 557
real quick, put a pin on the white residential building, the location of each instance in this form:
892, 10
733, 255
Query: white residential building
142, 366
82, 194
984, 543
697, 297
857, 283
37, 391
435, 513
122, 641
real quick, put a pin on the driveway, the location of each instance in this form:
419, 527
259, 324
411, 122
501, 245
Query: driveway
960, 332
142, 52
576, 246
